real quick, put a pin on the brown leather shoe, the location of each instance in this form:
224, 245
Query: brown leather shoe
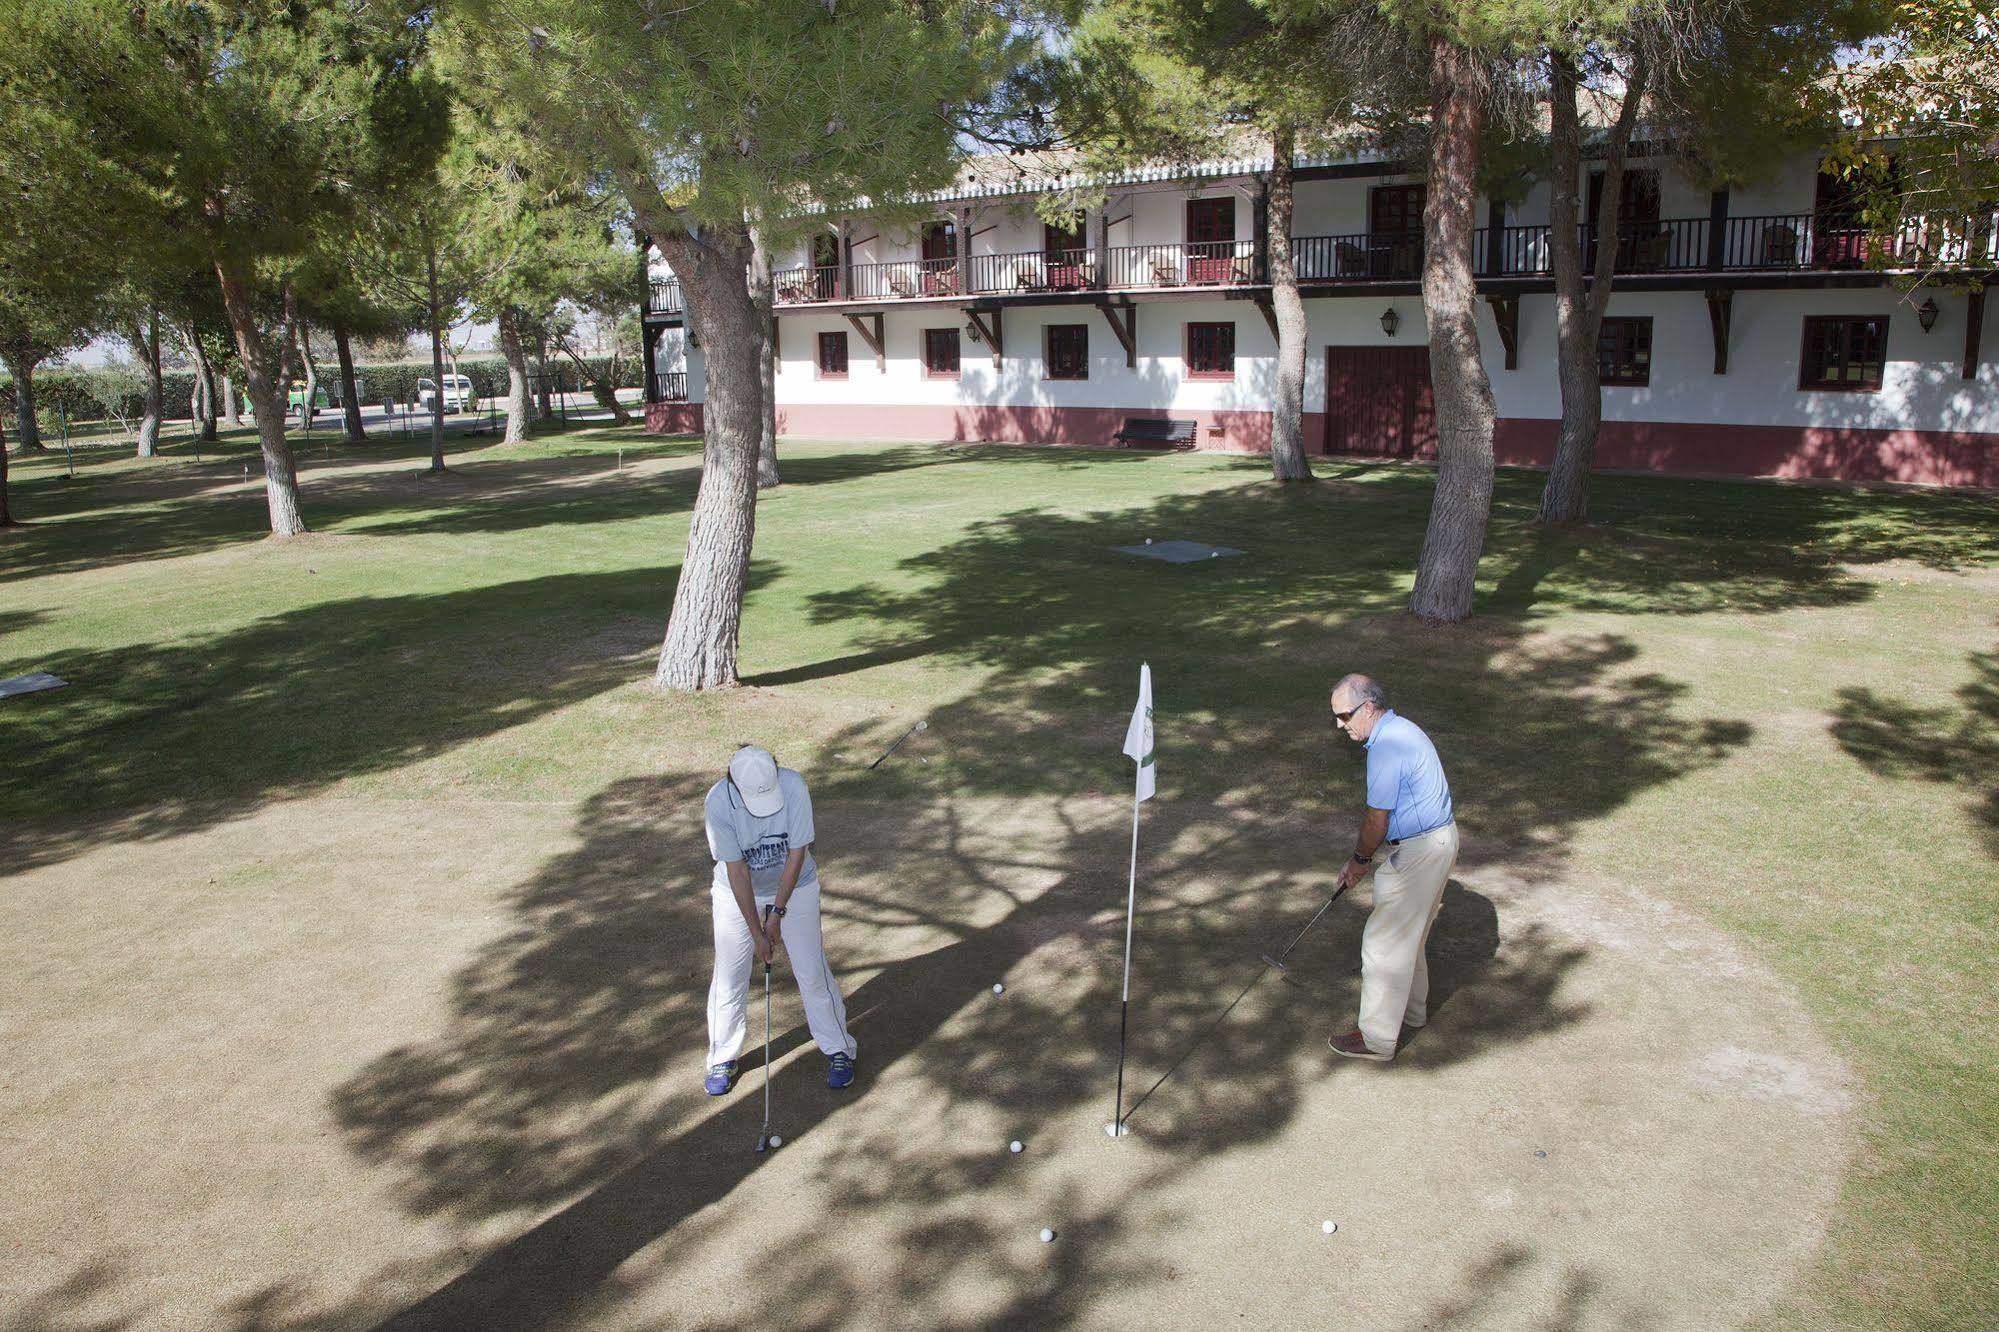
1354, 1046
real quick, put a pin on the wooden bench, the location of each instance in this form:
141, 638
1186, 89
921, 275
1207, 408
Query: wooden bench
1155, 430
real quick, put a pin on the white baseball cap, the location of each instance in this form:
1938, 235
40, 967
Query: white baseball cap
754, 772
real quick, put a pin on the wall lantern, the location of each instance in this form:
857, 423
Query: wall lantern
1390, 321
1926, 314
972, 332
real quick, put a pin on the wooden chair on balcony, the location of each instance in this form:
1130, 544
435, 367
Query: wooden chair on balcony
1027, 276
1165, 272
797, 292
900, 285
1349, 260
1243, 270
1780, 247
1649, 253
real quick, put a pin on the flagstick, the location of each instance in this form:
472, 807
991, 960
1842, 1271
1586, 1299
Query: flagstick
1124, 1007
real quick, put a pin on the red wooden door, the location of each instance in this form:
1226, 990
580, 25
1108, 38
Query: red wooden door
1210, 240
1378, 402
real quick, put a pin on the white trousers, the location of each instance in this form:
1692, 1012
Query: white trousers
1394, 975
736, 958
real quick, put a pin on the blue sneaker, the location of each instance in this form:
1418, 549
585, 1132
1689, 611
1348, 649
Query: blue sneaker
720, 1078
839, 1071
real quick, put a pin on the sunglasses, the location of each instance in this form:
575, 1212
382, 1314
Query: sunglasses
1344, 717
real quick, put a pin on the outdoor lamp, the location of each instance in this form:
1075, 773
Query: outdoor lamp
972, 331
1926, 314
1390, 321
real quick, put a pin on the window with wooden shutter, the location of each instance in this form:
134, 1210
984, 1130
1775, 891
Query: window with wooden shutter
1068, 351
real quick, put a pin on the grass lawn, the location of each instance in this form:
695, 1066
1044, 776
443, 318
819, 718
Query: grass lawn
1775, 708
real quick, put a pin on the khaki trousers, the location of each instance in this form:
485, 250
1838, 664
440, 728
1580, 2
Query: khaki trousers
1394, 976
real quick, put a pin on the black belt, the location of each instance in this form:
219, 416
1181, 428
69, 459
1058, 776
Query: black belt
1398, 841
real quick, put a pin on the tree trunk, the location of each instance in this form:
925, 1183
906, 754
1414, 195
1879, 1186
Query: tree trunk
146, 342
701, 638
27, 429
436, 363
1287, 420
544, 403
1579, 310
353, 432
762, 297
204, 387
280, 473
1448, 566
6, 517
309, 404
231, 412
516, 355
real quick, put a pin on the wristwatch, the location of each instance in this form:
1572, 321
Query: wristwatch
1359, 859
777, 911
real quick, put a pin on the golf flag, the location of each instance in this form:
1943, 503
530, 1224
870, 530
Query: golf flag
1138, 736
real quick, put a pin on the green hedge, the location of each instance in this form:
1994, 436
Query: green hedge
380, 381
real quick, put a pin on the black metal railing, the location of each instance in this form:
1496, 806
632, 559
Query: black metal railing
1785, 242
668, 386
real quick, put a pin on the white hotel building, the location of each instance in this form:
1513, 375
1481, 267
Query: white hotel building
1748, 333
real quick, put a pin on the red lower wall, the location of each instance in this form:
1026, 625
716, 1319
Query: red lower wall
1927, 457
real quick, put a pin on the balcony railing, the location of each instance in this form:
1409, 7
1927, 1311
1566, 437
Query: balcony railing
668, 386
1789, 242
664, 297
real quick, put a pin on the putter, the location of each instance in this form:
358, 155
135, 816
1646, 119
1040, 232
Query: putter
920, 726
1278, 961
763, 1138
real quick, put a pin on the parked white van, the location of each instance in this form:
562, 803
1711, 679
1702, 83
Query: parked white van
458, 394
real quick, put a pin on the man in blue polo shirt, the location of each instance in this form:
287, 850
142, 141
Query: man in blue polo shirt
1408, 812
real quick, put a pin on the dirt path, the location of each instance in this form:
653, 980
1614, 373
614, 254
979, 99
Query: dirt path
340, 1061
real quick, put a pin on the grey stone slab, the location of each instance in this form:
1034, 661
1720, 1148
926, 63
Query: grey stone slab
32, 683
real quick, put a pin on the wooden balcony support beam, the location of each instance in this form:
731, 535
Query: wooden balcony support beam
1974, 325
1125, 329
1720, 314
869, 326
1506, 313
1268, 308
989, 333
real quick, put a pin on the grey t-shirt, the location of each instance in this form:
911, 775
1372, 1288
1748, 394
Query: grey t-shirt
763, 844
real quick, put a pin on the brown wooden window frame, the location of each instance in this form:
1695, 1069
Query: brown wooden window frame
1192, 347
829, 339
1075, 365
1814, 372
1628, 362
931, 369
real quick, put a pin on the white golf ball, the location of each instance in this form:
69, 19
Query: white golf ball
1014, 1147
776, 1141
1329, 1226
1111, 1130
999, 989
1148, 541
1047, 1235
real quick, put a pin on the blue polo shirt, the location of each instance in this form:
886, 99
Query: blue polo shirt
1405, 777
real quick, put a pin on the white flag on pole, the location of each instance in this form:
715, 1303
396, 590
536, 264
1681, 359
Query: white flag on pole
1138, 736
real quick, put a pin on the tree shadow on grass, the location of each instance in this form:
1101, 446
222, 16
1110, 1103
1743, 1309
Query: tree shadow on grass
1958, 747
157, 740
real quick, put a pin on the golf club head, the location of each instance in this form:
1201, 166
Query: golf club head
763, 1141
1270, 961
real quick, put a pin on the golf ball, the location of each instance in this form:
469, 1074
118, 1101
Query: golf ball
1148, 540
1329, 1226
999, 989
1046, 1235
1111, 1130
776, 1141
1014, 1147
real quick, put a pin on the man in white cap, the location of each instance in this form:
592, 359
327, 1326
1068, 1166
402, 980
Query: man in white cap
766, 895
